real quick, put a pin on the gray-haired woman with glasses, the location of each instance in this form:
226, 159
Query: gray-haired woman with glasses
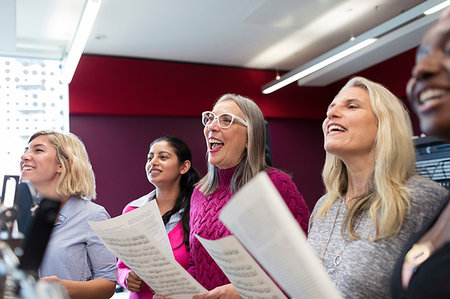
224, 120
235, 138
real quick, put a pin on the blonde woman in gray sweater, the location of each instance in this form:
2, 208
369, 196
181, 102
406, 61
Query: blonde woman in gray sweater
374, 200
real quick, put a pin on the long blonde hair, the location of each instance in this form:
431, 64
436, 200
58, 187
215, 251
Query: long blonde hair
254, 159
77, 177
387, 198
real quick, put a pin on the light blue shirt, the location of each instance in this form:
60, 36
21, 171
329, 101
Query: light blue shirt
74, 251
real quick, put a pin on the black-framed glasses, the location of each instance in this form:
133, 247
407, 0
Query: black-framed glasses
224, 120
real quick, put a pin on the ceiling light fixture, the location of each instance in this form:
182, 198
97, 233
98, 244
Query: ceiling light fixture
303, 72
8, 25
352, 35
72, 56
353, 46
437, 8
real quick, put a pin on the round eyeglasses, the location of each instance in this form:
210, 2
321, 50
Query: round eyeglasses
224, 120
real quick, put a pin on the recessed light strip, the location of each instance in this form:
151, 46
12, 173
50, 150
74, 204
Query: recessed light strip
437, 8
347, 48
72, 57
318, 66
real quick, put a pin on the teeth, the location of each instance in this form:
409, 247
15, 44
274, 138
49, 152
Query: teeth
431, 94
336, 128
27, 168
214, 141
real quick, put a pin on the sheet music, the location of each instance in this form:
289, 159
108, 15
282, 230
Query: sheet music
146, 217
258, 216
241, 269
136, 239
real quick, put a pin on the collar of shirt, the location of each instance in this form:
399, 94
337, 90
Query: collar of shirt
174, 219
70, 208
66, 211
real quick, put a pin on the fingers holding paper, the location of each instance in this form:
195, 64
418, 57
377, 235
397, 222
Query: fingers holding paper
227, 291
134, 282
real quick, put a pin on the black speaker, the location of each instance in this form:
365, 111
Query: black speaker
26, 198
36, 241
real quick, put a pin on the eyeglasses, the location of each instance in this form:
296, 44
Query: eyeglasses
224, 120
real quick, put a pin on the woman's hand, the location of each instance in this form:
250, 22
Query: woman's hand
134, 282
53, 279
97, 288
227, 291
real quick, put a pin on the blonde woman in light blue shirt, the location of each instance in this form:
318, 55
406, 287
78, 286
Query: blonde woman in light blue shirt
58, 166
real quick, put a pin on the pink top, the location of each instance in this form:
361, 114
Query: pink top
204, 221
180, 252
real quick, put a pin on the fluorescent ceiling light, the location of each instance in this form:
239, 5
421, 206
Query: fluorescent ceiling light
324, 61
437, 8
72, 57
318, 66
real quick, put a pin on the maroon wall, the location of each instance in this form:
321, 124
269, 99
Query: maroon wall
119, 105
125, 86
118, 146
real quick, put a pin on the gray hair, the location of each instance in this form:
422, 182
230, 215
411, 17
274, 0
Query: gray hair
254, 159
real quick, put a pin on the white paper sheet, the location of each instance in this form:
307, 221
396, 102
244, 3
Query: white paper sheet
140, 240
148, 218
241, 269
258, 216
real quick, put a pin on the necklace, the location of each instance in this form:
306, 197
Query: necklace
331, 233
338, 258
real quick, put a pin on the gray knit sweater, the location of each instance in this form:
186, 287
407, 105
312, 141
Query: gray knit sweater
366, 267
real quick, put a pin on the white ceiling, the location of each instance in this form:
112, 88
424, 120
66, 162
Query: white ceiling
262, 34
43, 28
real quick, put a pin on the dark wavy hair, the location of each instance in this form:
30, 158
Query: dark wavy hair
187, 183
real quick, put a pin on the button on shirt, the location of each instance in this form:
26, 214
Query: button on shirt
74, 251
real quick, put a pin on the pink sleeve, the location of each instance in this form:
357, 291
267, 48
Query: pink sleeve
191, 269
122, 274
122, 269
